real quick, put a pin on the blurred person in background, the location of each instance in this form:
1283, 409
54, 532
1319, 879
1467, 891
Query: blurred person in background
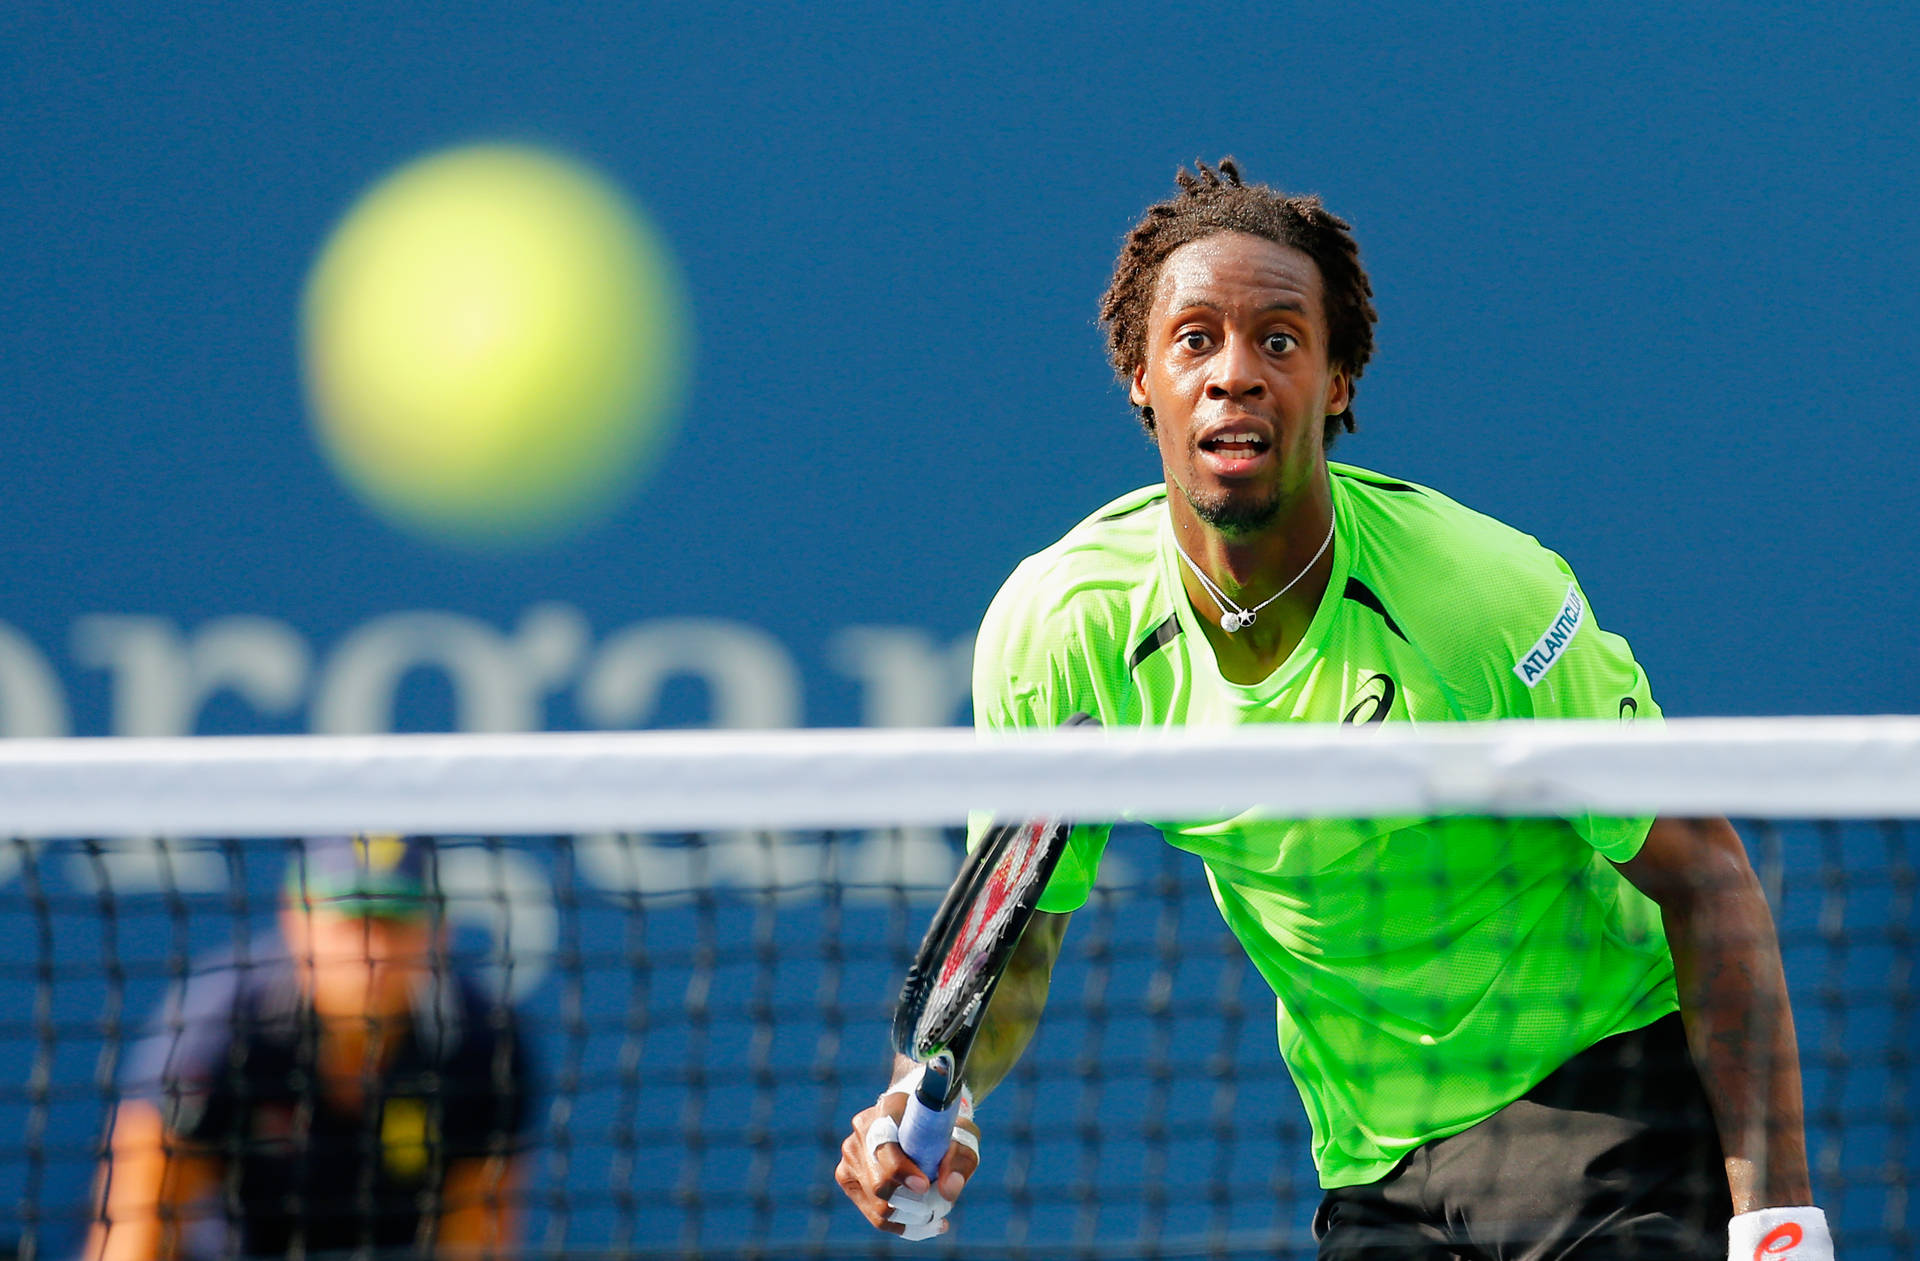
337, 1086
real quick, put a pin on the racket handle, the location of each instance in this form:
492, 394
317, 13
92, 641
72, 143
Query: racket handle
926, 1133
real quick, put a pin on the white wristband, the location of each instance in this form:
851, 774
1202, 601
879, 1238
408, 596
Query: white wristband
1779, 1234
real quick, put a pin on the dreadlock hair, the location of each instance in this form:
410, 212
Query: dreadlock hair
1219, 200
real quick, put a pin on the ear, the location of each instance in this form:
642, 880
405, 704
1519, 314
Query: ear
1339, 392
1137, 386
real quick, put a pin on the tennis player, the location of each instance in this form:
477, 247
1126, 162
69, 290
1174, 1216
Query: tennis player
334, 1088
1514, 1039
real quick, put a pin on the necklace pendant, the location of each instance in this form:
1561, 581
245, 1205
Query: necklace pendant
1246, 617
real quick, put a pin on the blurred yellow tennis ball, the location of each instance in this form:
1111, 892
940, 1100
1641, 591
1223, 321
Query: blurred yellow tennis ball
493, 340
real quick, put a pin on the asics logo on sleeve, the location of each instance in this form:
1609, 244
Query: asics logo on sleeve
1552, 645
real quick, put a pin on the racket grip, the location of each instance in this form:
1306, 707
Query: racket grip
926, 1133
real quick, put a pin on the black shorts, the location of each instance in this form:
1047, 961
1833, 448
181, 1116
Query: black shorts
1612, 1158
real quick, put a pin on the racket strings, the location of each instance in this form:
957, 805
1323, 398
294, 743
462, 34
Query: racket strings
960, 981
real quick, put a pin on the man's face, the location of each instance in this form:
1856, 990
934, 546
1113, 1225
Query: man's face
354, 967
1238, 376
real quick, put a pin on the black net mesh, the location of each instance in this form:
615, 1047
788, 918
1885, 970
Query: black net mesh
699, 1017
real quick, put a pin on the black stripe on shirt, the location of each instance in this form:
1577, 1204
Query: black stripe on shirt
1158, 638
1383, 484
1360, 593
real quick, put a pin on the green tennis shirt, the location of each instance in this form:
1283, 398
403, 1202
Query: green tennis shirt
1428, 971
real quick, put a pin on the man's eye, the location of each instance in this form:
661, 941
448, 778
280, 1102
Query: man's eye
1193, 339
1281, 343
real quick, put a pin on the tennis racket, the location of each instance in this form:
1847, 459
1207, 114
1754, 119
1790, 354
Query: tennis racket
966, 949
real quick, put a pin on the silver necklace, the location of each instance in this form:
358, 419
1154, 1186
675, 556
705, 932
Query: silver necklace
1234, 617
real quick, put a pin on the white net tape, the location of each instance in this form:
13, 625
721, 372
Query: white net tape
249, 786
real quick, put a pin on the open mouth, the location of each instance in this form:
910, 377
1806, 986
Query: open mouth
1237, 444
1235, 448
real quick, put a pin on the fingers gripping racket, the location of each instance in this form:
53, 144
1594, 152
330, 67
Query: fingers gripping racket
966, 949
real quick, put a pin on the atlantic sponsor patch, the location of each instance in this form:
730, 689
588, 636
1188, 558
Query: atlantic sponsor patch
1551, 646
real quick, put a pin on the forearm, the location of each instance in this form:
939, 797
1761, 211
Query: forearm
1014, 1014
1733, 999
119, 1235
146, 1190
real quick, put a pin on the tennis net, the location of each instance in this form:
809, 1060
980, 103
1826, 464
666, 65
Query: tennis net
700, 936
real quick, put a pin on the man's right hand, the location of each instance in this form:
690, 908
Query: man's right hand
888, 1188
873, 1171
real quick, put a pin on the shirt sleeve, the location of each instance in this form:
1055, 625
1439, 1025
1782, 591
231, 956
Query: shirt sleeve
1576, 670
1024, 681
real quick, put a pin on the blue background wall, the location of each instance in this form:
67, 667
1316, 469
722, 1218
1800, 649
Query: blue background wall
1647, 286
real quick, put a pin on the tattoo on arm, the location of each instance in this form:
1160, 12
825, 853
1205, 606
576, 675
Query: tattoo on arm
1733, 998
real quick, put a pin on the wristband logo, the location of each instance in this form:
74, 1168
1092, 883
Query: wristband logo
1779, 1242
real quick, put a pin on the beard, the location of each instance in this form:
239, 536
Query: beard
1235, 515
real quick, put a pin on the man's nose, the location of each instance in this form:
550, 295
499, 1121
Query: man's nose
1236, 371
